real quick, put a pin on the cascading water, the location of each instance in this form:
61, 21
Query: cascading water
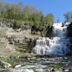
57, 46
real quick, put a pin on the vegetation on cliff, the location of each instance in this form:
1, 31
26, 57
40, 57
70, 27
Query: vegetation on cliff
21, 15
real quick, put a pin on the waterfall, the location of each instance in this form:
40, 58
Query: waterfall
58, 45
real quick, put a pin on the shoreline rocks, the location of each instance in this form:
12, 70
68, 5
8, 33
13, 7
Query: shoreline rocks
5, 64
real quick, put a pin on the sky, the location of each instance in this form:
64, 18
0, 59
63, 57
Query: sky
57, 7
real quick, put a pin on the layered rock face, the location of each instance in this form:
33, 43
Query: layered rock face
15, 40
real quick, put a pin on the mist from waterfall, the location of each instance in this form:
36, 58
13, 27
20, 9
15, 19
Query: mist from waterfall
57, 45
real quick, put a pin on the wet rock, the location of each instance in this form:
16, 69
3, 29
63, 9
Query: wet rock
7, 65
17, 66
21, 70
1, 65
51, 70
28, 70
66, 70
4, 64
39, 70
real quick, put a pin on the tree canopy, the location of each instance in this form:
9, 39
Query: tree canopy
26, 14
50, 19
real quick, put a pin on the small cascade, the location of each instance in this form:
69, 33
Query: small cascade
58, 45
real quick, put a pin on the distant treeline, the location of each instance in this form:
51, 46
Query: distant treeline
20, 15
25, 14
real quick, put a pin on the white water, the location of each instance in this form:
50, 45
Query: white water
58, 45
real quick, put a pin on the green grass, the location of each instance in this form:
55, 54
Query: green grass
10, 58
57, 66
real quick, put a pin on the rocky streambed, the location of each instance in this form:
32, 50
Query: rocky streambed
57, 64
